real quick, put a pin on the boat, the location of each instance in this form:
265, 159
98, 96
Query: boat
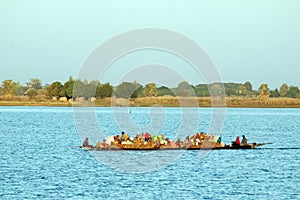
232, 146
145, 142
206, 147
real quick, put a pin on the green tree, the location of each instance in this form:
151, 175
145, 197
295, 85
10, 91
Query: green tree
201, 90
54, 89
283, 90
216, 89
78, 88
31, 92
264, 91
68, 88
242, 90
138, 91
293, 92
163, 91
104, 90
20, 90
275, 93
8, 88
248, 86
150, 90
230, 91
127, 90
35, 83
89, 89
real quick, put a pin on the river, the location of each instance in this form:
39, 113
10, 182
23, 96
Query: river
38, 161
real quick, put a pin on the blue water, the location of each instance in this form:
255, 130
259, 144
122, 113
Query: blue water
37, 160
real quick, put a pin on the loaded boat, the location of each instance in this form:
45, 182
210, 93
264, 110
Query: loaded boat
145, 142
128, 148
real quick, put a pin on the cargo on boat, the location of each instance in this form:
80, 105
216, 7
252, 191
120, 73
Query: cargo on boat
147, 142
129, 148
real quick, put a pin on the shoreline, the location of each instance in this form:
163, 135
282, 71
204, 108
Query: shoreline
205, 102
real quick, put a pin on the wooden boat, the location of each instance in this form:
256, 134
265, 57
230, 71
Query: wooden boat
214, 146
232, 146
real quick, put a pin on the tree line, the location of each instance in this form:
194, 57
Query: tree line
96, 89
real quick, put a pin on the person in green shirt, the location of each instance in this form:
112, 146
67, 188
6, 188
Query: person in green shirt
219, 140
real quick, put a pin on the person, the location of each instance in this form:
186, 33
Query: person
123, 136
188, 142
237, 140
244, 140
103, 143
202, 136
86, 142
157, 143
98, 145
219, 140
147, 136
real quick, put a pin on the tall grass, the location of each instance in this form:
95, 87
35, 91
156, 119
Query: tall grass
166, 101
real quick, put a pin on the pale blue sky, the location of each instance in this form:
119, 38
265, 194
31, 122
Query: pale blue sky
247, 40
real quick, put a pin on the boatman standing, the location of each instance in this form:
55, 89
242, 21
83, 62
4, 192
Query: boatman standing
86, 142
219, 139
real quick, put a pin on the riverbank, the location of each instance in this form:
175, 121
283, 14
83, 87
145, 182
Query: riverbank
234, 102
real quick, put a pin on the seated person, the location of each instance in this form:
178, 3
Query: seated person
244, 140
237, 140
98, 145
103, 144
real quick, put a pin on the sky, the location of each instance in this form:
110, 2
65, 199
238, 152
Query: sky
247, 40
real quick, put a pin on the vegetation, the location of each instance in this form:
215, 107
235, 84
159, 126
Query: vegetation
31, 92
8, 88
184, 89
55, 89
150, 90
293, 92
35, 83
72, 91
104, 90
164, 91
283, 90
128, 90
264, 91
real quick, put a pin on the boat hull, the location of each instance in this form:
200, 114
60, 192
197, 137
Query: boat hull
226, 147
